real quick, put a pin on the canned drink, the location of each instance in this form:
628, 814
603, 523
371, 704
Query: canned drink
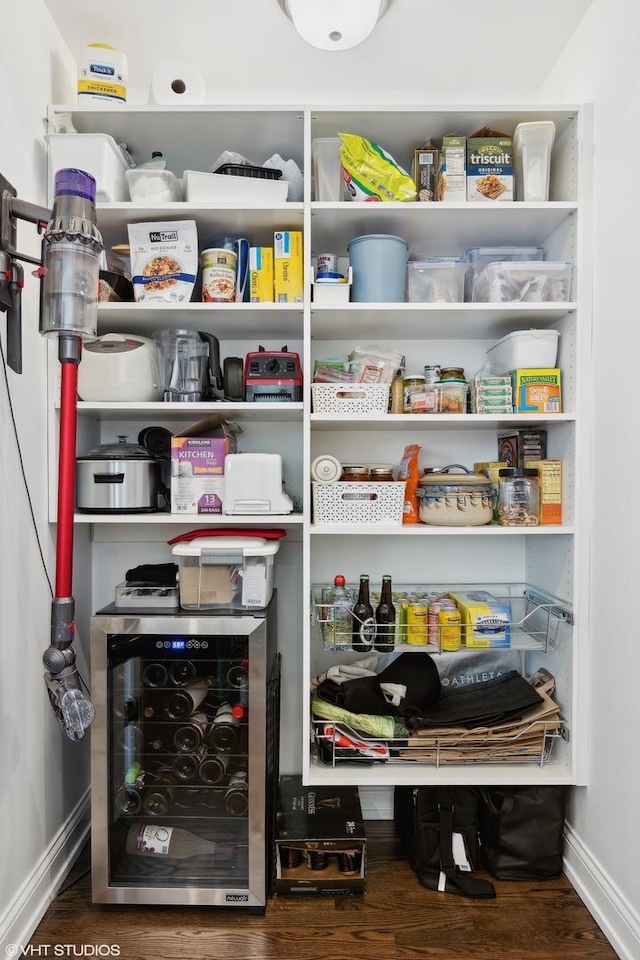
327, 263
417, 623
450, 629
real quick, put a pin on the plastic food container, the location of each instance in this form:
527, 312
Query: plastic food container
95, 153
234, 572
456, 499
327, 169
525, 282
532, 143
199, 186
436, 280
525, 348
153, 186
477, 259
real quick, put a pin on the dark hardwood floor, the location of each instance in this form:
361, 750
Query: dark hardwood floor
396, 919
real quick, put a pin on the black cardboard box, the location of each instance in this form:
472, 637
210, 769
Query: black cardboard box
516, 446
320, 839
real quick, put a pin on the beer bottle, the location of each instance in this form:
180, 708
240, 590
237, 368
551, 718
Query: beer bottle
385, 619
364, 624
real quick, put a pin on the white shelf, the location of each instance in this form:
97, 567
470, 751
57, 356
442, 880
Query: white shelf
200, 520
434, 421
238, 321
192, 412
427, 530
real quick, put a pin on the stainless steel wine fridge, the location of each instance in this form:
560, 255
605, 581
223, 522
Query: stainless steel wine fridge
184, 756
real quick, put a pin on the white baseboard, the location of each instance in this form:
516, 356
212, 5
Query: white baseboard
613, 913
32, 900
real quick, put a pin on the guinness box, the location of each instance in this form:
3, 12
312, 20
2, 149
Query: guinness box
320, 842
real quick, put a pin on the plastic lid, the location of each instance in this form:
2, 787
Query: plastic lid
517, 472
339, 580
248, 546
377, 236
70, 182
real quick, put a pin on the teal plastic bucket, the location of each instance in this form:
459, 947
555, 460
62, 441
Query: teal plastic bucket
379, 264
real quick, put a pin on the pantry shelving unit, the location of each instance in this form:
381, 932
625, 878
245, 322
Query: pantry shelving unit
553, 559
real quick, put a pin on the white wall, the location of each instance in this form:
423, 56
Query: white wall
44, 776
600, 65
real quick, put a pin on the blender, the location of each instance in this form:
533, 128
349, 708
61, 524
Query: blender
189, 365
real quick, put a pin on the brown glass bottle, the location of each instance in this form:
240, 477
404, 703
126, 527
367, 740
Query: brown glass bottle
385, 619
364, 624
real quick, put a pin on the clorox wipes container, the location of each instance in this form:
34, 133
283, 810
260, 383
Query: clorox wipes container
102, 75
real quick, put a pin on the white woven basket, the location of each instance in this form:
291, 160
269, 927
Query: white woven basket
345, 503
350, 397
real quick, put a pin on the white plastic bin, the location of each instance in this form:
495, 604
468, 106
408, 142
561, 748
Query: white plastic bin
327, 169
436, 280
95, 153
525, 348
532, 143
235, 572
200, 186
153, 186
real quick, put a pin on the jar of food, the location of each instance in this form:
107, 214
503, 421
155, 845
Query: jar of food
452, 373
519, 497
455, 499
355, 471
412, 385
451, 396
432, 372
381, 472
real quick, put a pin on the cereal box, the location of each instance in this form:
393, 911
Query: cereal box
550, 480
261, 274
288, 274
537, 390
490, 169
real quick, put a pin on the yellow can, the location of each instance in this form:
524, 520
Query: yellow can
450, 629
417, 623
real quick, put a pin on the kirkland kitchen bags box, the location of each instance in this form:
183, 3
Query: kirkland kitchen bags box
197, 466
320, 839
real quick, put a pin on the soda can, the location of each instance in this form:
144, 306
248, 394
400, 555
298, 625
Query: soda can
417, 623
450, 628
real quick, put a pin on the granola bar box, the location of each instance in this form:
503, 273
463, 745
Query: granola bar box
490, 169
320, 842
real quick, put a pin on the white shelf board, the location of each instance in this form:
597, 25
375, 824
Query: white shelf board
191, 412
412, 773
237, 321
206, 519
432, 421
429, 530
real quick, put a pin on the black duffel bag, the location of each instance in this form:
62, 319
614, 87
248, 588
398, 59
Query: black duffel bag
521, 831
426, 819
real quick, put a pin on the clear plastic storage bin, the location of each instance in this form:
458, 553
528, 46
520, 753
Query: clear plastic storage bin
527, 282
477, 258
436, 280
234, 572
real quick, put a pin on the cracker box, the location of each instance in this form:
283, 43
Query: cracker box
537, 390
517, 446
452, 170
486, 622
550, 481
261, 274
425, 173
197, 466
287, 264
490, 169
320, 844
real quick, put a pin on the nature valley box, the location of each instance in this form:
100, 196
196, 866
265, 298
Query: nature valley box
320, 839
537, 390
489, 168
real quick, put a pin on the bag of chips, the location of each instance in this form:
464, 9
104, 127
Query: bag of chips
370, 173
164, 260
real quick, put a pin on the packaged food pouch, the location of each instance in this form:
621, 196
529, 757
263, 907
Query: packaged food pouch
164, 260
409, 470
370, 173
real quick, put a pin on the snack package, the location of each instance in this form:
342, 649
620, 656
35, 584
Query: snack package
373, 364
164, 260
409, 470
370, 173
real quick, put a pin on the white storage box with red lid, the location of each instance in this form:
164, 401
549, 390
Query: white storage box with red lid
233, 572
525, 348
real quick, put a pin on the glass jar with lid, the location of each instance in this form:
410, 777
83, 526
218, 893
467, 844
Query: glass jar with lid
452, 373
519, 497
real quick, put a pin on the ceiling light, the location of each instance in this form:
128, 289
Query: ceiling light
334, 24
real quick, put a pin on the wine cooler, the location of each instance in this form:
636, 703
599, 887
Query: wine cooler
184, 756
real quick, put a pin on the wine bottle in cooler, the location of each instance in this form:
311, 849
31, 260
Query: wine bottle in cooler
385, 619
185, 767
223, 734
236, 797
174, 843
181, 672
191, 733
186, 700
155, 675
157, 799
364, 623
213, 766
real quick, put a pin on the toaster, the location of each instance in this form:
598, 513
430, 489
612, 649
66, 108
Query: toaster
119, 366
253, 484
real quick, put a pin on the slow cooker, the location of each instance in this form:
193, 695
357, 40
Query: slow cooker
456, 499
119, 478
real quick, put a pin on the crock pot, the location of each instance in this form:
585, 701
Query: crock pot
456, 499
118, 478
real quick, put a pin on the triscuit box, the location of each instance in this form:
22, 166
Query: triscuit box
452, 170
485, 621
489, 168
320, 844
425, 173
287, 263
550, 482
517, 446
197, 466
261, 274
537, 390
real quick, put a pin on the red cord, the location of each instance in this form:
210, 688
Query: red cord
66, 480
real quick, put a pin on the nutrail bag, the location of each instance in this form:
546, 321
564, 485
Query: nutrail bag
439, 831
521, 831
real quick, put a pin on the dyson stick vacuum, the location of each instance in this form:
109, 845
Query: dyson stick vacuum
69, 270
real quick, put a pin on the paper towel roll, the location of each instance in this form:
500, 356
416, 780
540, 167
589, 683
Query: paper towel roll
176, 81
